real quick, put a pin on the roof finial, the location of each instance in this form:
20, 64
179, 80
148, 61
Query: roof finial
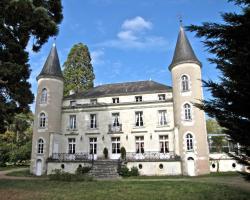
54, 43
180, 20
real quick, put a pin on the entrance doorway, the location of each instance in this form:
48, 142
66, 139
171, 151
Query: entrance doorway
39, 167
190, 166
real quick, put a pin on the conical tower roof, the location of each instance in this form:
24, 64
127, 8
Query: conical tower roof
51, 68
183, 51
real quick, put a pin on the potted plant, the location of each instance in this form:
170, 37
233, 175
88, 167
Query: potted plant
105, 153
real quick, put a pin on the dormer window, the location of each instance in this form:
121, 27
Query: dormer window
162, 97
72, 103
115, 100
44, 96
93, 101
138, 98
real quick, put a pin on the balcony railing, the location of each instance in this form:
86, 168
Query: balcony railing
70, 157
151, 156
115, 129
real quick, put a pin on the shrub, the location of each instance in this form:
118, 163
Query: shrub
105, 153
123, 153
82, 170
59, 175
125, 172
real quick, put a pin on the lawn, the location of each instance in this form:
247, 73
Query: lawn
117, 190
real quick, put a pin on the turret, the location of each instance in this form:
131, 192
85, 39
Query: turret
47, 119
189, 120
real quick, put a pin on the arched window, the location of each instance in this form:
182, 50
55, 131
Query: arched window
184, 83
189, 142
44, 96
187, 112
42, 120
40, 144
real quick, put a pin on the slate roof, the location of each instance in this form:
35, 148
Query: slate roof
51, 67
119, 89
183, 51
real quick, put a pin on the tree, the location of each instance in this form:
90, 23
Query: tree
21, 21
78, 71
229, 42
213, 127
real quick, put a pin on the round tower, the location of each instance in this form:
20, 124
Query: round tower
47, 119
189, 120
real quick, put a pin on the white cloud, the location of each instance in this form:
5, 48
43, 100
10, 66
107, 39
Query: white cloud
96, 57
134, 34
136, 24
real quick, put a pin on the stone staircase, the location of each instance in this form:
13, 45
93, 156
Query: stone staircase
105, 169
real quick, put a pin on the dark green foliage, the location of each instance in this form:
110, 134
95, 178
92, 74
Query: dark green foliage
125, 172
230, 43
82, 170
105, 153
21, 21
123, 153
59, 175
78, 71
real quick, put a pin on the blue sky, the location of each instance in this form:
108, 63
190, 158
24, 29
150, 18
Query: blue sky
131, 40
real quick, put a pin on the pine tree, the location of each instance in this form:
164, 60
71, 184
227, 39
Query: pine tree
229, 42
20, 22
78, 71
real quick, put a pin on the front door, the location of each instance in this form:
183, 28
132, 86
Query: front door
190, 167
39, 167
93, 148
116, 148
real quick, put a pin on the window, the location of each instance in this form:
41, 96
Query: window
93, 101
115, 119
187, 112
44, 96
163, 144
93, 121
42, 120
116, 145
162, 97
72, 145
115, 100
162, 117
92, 145
138, 98
72, 121
189, 142
139, 144
139, 118
184, 83
40, 145
72, 103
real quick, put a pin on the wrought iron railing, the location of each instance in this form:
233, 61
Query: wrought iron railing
115, 129
151, 156
70, 157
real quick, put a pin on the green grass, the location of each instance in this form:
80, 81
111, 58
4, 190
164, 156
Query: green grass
117, 190
23, 173
11, 167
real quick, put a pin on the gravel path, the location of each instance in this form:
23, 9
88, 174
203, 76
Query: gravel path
3, 175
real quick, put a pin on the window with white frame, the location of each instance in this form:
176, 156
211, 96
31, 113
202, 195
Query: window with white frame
162, 97
93, 121
162, 116
163, 143
40, 145
115, 100
187, 112
116, 145
93, 101
189, 142
42, 120
44, 96
72, 103
139, 118
184, 83
138, 98
72, 121
72, 145
115, 119
92, 145
139, 144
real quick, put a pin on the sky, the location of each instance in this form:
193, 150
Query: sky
131, 40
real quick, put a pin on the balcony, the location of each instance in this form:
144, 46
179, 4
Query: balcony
115, 129
152, 156
69, 157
